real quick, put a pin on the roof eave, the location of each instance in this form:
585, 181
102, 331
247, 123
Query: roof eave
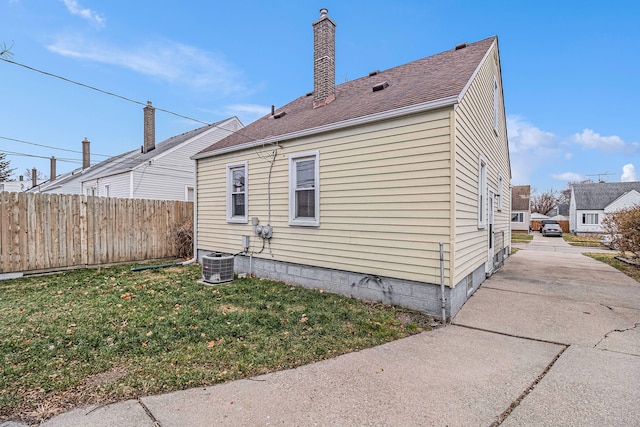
398, 112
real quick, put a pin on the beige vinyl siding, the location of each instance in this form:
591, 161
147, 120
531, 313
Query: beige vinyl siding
384, 199
475, 137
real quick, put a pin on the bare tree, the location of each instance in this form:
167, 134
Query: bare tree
544, 202
39, 175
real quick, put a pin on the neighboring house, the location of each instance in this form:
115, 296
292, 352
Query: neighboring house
164, 171
561, 209
352, 188
591, 202
521, 208
16, 186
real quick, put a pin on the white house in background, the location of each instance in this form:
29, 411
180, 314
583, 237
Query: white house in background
520, 207
162, 172
591, 202
16, 186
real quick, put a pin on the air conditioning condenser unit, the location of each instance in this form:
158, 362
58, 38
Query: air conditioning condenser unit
217, 267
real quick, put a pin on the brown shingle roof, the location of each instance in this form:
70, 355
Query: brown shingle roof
520, 196
426, 80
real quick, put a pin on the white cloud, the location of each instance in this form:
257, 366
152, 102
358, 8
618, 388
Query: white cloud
167, 60
530, 149
629, 173
590, 139
524, 136
568, 177
75, 9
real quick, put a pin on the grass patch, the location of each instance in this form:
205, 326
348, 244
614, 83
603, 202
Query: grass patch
521, 238
574, 240
630, 270
94, 336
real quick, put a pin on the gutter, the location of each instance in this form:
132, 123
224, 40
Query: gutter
431, 105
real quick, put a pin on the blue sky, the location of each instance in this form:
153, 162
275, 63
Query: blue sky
570, 71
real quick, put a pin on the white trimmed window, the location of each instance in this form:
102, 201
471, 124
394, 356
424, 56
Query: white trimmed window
237, 194
482, 193
517, 217
188, 193
590, 218
107, 190
304, 189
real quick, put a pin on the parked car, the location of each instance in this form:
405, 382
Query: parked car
552, 230
545, 222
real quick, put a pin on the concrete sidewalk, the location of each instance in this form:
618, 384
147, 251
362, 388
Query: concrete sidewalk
554, 334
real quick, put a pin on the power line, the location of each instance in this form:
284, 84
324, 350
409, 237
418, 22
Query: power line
13, 153
49, 146
99, 90
46, 73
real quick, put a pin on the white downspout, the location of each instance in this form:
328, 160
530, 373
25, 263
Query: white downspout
442, 298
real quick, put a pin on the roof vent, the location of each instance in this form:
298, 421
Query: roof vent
374, 73
309, 93
380, 86
461, 46
280, 114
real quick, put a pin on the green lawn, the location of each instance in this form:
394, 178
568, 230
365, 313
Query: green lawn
573, 240
91, 336
521, 238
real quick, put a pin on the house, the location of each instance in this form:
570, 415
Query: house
521, 208
17, 186
354, 188
591, 202
163, 172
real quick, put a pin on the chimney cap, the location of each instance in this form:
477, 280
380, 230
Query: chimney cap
323, 12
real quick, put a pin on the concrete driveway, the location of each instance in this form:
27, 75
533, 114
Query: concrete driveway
550, 340
550, 292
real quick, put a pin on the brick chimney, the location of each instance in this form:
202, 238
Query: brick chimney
86, 154
52, 174
324, 64
149, 128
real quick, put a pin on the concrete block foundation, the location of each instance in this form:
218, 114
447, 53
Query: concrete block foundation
421, 296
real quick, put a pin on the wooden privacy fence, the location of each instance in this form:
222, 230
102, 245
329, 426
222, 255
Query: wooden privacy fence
40, 232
